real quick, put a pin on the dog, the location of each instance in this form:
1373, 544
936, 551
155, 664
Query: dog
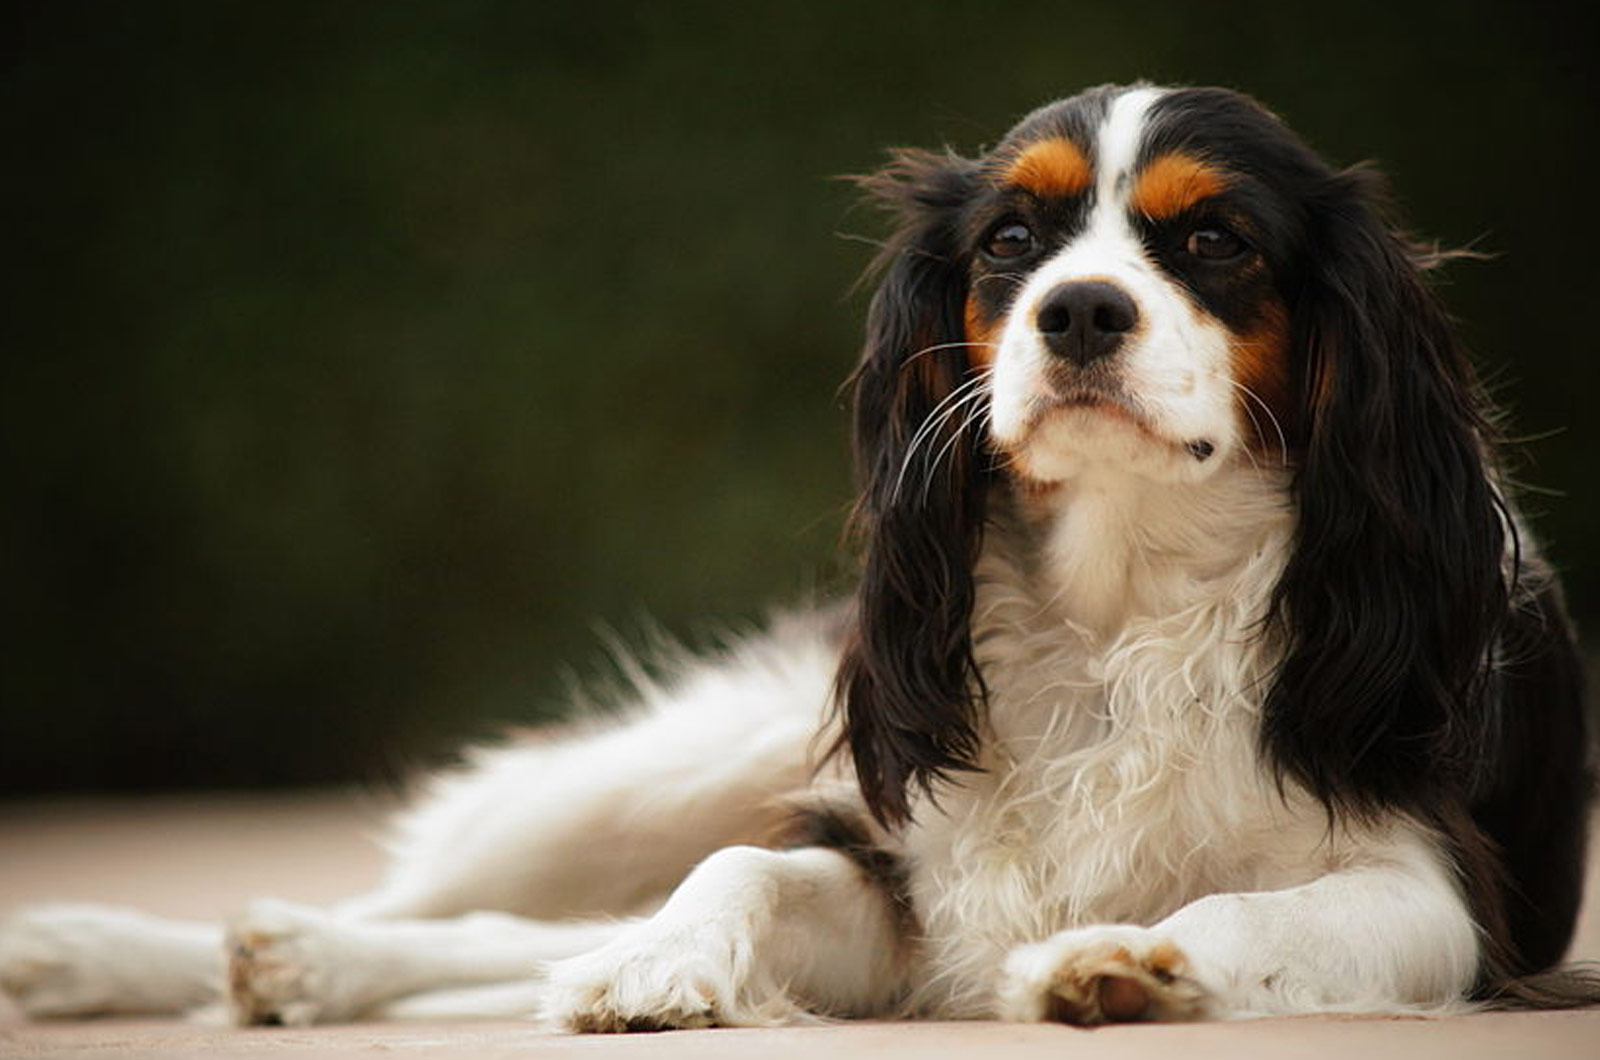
1200, 666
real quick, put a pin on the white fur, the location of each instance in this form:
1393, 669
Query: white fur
752, 937
717, 742
79, 960
1122, 840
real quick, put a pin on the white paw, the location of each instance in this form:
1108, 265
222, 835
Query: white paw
81, 960
1100, 975
659, 982
284, 967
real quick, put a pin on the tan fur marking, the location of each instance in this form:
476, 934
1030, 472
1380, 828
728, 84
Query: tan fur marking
1166, 960
1260, 364
1053, 168
980, 334
1173, 183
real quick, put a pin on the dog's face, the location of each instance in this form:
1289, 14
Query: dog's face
1125, 290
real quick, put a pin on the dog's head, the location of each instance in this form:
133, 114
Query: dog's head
1168, 284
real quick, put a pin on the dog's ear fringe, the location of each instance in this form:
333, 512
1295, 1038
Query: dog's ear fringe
1367, 182
915, 187
908, 689
1570, 986
1393, 595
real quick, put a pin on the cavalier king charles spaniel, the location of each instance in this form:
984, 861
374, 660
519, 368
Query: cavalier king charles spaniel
1200, 666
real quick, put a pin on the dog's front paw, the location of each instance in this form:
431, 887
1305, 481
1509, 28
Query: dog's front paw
656, 983
1100, 975
283, 967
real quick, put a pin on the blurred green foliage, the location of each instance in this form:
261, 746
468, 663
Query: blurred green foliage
359, 357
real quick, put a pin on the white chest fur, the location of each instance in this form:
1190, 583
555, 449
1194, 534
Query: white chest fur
1126, 659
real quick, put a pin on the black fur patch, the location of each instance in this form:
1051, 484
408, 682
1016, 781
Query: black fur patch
836, 828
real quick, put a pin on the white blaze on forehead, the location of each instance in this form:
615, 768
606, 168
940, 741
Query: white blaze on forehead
1117, 148
1107, 247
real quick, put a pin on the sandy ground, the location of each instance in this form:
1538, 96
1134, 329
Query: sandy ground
202, 857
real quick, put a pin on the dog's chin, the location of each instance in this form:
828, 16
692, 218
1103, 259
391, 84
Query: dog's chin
1083, 434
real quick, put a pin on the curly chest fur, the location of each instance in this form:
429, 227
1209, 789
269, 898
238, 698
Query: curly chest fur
1119, 759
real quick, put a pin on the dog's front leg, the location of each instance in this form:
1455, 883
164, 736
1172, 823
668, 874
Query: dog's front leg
750, 937
1390, 934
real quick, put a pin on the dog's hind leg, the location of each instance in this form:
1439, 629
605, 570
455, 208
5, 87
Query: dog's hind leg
294, 965
608, 817
601, 822
82, 960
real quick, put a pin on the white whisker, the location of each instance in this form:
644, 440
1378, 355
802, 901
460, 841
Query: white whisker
973, 416
945, 346
1283, 441
971, 392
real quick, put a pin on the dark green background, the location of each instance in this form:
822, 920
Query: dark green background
360, 358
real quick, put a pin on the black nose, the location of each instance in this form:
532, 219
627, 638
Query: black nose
1086, 320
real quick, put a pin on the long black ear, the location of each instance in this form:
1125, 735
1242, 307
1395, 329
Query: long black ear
908, 687
1398, 583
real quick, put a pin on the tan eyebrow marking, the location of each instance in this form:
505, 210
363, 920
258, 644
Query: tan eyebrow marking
1174, 182
1053, 167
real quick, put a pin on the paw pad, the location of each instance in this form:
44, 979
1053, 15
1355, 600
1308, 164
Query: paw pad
1094, 976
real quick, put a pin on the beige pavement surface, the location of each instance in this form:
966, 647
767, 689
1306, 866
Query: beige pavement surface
201, 857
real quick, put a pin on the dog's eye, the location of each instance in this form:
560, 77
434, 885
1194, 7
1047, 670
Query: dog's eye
1214, 244
1010, 240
